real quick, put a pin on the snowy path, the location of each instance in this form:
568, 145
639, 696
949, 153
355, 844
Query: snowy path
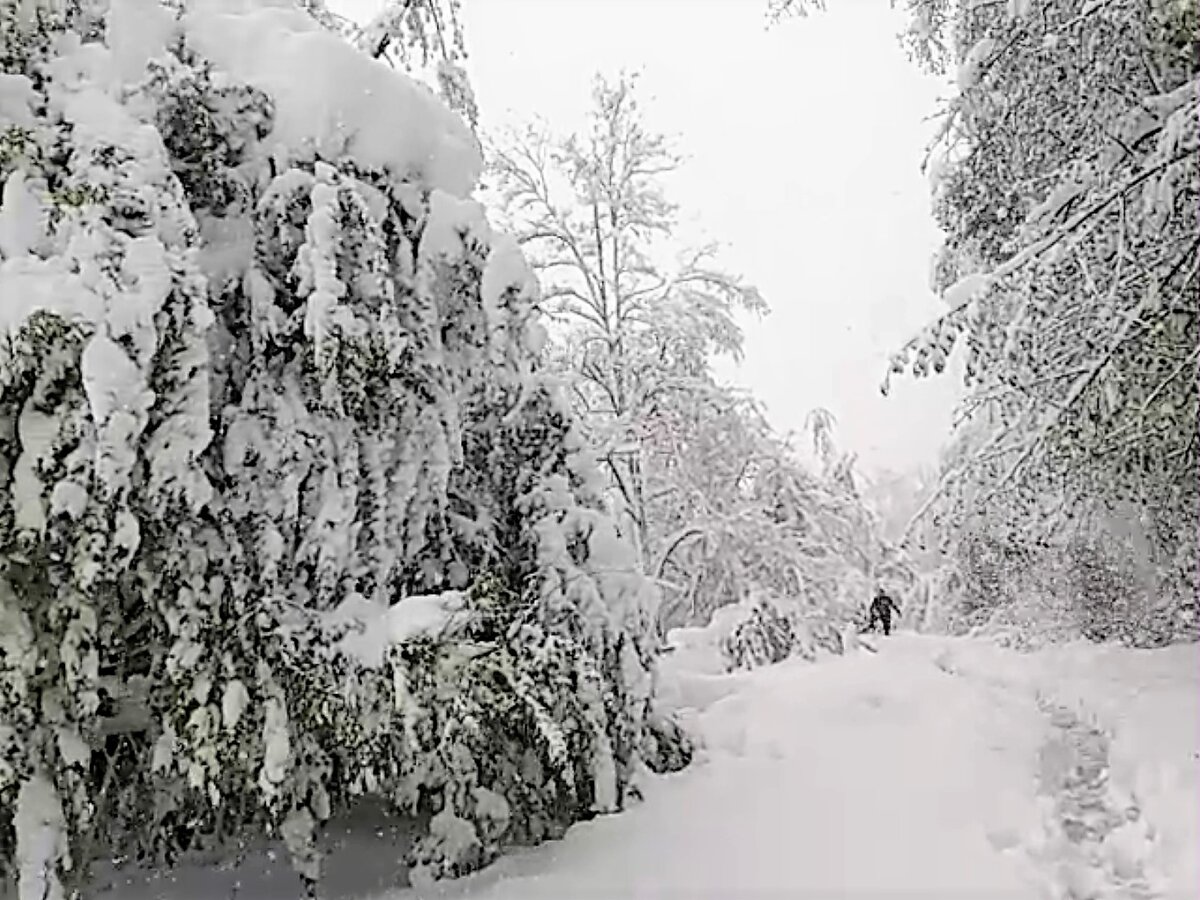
868, 776
940, 768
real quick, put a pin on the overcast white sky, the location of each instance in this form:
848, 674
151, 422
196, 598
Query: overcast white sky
803, 145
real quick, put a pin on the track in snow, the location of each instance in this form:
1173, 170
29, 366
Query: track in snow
933, 770
872, 776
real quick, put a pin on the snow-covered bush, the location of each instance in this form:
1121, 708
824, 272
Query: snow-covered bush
767, 630
765, 636
511, 737
266, 371
1036, 614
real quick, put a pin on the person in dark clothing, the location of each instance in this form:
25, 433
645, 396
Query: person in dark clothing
881, 612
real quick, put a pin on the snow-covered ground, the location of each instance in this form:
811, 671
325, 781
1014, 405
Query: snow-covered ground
936, 768
1145, 705
863, 776
920, 771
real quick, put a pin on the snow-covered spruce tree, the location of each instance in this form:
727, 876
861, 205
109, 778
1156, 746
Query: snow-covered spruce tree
268, 375
105, 411
1068, 182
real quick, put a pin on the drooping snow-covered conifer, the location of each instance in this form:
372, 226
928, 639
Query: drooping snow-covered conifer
289, 514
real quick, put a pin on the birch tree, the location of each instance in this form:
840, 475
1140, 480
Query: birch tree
721, 506
637, 316
1067, 182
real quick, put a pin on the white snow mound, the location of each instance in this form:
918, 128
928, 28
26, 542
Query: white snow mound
375, 626
333, 100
